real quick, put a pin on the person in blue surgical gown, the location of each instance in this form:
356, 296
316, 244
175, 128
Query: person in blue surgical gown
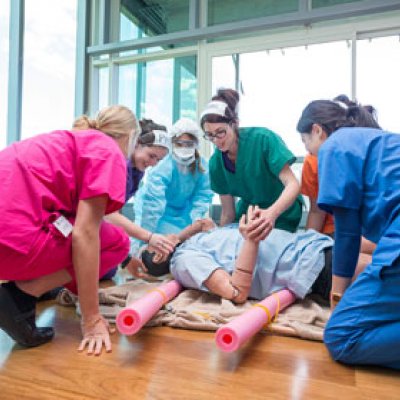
359, 178
176, 191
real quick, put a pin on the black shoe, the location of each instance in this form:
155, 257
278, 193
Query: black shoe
19, 324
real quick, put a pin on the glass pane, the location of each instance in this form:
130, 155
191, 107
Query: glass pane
127, 86
163, 90
157, 101
103, 87
49, 66
327, 3
223, 73
154, 17
187, 84
4, 26
378, 78
233, 10
274, 96
127, 30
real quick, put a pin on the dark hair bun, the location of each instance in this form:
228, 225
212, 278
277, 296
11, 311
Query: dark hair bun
231, 98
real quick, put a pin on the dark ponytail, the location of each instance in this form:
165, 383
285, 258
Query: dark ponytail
332, 115
147, 127
363, 116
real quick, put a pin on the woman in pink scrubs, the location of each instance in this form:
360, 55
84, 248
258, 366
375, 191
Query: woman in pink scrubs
55, 190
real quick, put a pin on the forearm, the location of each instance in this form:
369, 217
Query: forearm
86, 259
345, 251
128, 226
315, 220
286, 198
242, 276
347, 242
228, 212
189, 231
226, 218
316, 216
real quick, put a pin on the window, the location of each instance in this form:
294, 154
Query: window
378, 78
327, 3
4, 26
154, 17
170, 94
103, 87
273, 94
49, 66
231, 10
127, 86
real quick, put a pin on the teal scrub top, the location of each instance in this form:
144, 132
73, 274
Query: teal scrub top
261, 157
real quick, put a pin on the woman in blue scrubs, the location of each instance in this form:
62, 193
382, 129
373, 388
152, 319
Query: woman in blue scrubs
359, 177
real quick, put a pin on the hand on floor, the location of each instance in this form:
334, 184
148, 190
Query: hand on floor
96, 334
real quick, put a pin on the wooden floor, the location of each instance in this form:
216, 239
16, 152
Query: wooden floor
167, 363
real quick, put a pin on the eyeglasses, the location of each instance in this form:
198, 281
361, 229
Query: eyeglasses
217, 135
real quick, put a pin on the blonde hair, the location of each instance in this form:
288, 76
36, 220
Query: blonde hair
115, 121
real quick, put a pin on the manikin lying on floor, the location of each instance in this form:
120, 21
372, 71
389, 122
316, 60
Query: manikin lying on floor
235, 262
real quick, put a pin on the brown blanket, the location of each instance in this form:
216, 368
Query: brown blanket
193, 309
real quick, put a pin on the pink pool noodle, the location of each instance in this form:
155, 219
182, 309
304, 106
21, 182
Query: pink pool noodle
134, 316
232, 335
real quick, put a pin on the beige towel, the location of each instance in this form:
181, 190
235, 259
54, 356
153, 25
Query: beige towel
193, 309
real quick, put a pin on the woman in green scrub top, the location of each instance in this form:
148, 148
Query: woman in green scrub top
252, 164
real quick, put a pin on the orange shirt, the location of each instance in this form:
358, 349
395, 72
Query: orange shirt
309, 187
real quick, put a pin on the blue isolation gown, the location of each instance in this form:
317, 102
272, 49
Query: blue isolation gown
172, 197
359, 169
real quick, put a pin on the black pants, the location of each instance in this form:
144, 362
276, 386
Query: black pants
323, 284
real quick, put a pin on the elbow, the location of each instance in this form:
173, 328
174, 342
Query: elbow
296, 186
81, 235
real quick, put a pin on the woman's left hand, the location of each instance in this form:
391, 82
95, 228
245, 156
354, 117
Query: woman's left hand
268, 217
339, 286
137, 269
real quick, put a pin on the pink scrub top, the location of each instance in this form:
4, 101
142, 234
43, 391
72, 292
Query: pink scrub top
46, 176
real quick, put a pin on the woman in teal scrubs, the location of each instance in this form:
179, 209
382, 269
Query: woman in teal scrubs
252, 164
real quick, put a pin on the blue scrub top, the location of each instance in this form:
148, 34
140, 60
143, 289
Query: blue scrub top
359, 169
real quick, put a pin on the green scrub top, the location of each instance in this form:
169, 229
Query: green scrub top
260, 158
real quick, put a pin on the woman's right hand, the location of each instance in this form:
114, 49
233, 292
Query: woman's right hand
96, 334
161, 244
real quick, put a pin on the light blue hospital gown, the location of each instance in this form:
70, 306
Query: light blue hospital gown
285, 260
359, 169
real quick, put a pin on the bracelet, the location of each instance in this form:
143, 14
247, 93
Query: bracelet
336, 297
244, 270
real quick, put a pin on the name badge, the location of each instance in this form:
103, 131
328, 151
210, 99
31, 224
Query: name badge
63, 226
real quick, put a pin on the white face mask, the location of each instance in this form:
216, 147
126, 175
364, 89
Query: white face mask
184, 156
